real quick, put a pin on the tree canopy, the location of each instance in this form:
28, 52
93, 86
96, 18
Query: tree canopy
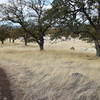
78, 18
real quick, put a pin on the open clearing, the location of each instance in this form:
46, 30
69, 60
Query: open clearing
36, 75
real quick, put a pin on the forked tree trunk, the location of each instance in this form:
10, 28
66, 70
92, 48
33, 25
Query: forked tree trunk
97, 46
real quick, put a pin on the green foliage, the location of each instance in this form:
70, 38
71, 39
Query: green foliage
14, 33
3, 33
77, 18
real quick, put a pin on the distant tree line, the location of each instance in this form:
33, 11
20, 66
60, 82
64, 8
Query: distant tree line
13, 33
75, 18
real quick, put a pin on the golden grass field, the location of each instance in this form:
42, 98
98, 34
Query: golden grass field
38, 75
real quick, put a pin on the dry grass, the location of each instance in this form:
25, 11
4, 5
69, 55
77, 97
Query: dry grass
39, 75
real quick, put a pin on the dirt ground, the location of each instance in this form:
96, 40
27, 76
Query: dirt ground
36, 75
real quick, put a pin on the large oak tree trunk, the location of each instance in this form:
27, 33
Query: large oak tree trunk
97, 46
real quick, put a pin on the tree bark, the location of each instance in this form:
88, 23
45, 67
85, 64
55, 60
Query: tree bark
13, 41
97, 46
41, 43
25, 40
2, 41
41, 47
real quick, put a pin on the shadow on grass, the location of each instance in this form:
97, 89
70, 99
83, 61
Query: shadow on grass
5, 91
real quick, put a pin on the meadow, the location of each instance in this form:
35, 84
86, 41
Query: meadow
43, 75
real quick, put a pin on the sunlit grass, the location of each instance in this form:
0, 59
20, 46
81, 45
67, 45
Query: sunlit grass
33, 72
